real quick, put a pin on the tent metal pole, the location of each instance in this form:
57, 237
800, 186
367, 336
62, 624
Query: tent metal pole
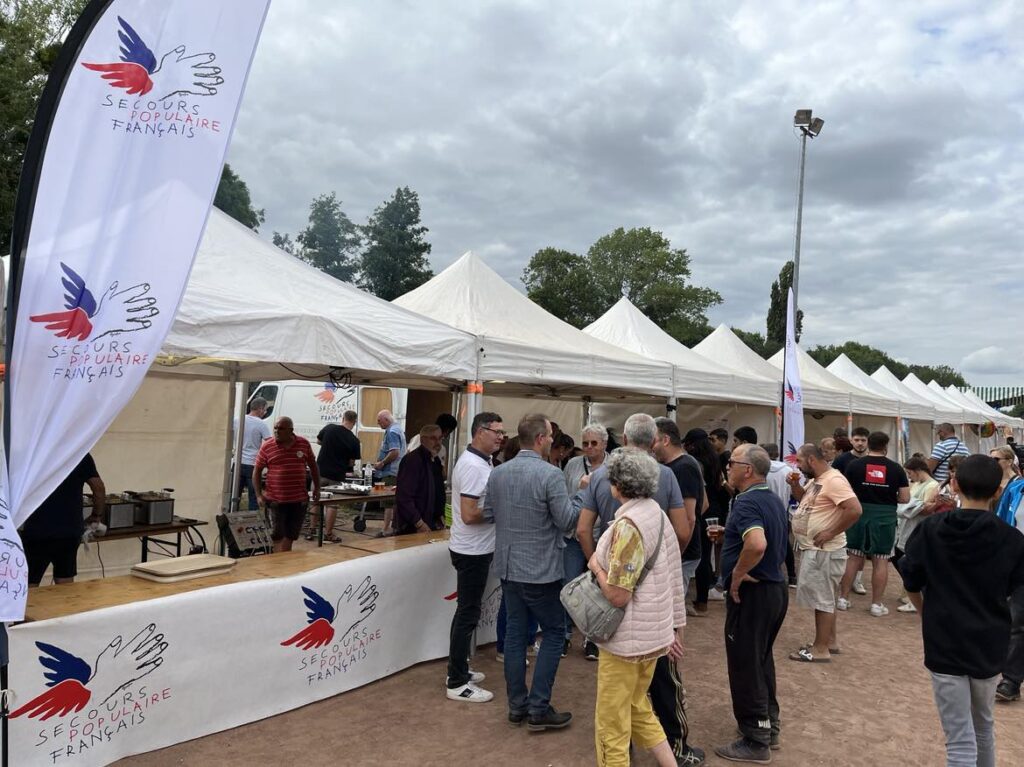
236, 475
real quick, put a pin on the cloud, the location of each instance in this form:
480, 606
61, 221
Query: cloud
993, 360
529, 124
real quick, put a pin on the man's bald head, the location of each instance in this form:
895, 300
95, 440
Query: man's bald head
385, 419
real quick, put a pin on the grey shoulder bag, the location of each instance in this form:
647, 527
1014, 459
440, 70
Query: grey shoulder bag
590, 609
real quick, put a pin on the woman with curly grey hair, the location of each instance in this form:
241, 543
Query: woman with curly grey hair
655, 610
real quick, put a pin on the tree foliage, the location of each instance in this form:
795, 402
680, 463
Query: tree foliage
639, 264
869, 359
757, 342
560, 281
330, 241
31, 32
395, 259
233, 198
776, 321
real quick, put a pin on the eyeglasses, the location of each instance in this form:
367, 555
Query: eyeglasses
730, 463
595, 443
499, 432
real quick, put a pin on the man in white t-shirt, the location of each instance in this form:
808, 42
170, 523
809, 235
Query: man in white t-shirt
254, 431
471, 545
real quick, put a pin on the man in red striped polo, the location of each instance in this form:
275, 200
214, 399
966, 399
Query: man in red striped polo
286, 458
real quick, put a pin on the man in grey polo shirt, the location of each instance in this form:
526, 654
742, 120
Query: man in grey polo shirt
532, 513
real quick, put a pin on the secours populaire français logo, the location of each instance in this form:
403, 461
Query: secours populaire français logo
165, 93
335, 637
102, 327
95, 702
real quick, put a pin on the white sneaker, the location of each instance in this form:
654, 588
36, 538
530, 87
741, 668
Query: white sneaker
858, 585
878, 610
843, 604
907, 608
470, 693
716, 595
475, 677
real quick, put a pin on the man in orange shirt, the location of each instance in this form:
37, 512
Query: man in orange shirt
285, 458
828, 507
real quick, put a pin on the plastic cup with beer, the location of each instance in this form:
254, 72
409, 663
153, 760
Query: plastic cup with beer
714, 529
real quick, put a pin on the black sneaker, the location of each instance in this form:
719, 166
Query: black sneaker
550, 720
1007, 691
516, 718
565, 648
590, 651
774, 744
694, 756
744, 750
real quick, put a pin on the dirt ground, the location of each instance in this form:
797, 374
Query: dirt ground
871, 706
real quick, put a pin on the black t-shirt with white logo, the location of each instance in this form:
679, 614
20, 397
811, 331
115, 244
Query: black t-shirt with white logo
876, 479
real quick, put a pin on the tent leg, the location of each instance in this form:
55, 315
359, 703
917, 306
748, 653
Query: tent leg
229, 442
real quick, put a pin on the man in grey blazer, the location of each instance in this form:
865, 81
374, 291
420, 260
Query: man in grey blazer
532, 514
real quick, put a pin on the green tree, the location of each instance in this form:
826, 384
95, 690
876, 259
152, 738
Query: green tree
776, 321
233, 198
757, 342
395, 259
867, 358
330, 241
943, 374
1017, 411
639, 264
284, 242
31, 32
560, 282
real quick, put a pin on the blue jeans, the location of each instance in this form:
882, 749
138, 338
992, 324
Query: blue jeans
573, 563
248, 486
541, 601
531, 630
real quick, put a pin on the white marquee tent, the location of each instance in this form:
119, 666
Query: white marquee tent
859, 400
695, 377
911, 408
524, 348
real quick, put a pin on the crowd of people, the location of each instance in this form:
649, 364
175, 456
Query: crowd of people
670, 521
667, 506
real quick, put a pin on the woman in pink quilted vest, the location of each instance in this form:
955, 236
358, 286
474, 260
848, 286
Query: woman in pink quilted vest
655, 611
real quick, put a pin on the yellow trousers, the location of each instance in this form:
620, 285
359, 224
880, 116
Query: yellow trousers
623, 710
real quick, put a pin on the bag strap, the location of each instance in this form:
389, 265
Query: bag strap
947, 456
650, 559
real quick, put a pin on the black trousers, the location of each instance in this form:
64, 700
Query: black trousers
668, 699
751, 626
705, 577
471, 581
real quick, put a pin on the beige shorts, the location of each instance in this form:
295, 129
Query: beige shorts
817, 583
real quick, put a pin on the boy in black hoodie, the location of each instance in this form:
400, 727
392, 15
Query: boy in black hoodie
959, 570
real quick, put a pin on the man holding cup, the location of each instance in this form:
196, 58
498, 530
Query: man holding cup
828, 507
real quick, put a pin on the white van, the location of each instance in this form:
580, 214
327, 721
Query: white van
313, 404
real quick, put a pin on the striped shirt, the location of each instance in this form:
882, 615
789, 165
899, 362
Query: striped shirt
942, 452
286, 469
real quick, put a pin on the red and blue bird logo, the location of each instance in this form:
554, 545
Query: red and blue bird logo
137, 71
358, 602
71, 682
121, 311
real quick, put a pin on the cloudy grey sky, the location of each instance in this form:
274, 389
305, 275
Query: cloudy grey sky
528, 124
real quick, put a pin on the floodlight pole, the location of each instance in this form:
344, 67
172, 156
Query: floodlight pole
799, 225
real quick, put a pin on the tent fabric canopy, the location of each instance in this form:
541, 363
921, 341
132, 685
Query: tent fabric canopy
843, 367
523, 344
251, 303
1009, 420
813, 374
724, 346
696, 377
952, 412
